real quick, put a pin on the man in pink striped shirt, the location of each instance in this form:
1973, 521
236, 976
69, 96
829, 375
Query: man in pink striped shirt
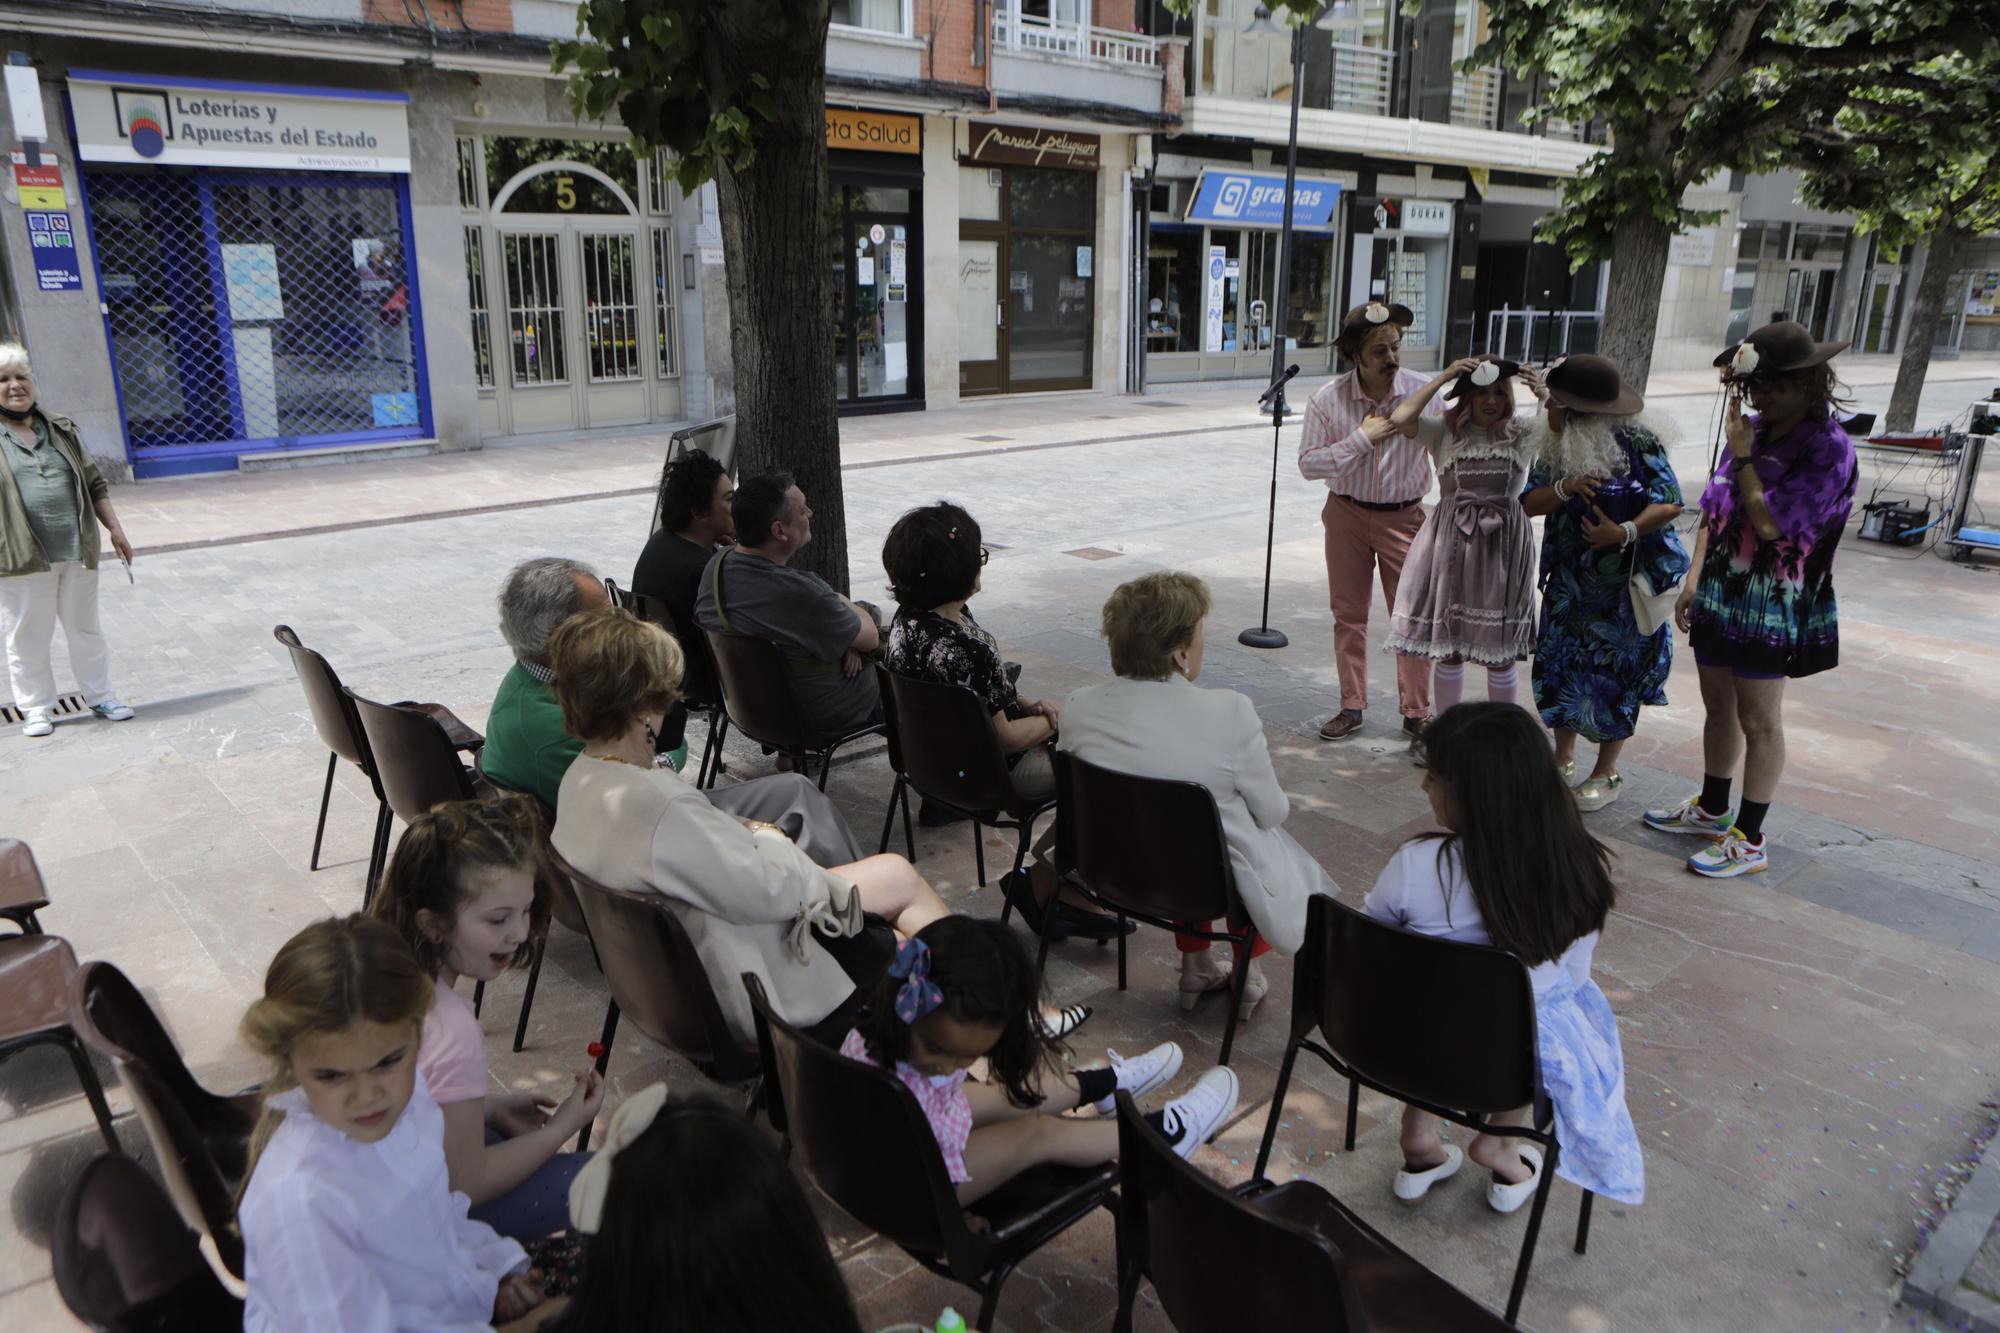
1376, 479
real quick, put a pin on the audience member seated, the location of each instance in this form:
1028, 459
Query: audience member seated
935, 564
463, 890
1154, 722
750, 899
528, 748
753, 590
695, 1222
696, 520
349, 1219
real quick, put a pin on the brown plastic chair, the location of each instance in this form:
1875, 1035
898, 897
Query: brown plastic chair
22, 893
416, 765
201, 1138
699, 693
657, 979
1445, 1026
35, 973
563, 907
761, 702
126, 1263
1150, 849
1313, 1259
340, 731
864, 1142
946, 747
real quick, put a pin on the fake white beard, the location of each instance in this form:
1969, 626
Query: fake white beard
1588, 445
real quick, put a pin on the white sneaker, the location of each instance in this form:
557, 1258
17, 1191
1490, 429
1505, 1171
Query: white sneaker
1141, 1074
1191, 1119
36, 723
112, 711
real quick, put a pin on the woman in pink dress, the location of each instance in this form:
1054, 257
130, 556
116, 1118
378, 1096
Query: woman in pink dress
1468, 587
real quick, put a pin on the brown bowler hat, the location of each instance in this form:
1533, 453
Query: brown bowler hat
1776, 349
1365, 318
1589, 383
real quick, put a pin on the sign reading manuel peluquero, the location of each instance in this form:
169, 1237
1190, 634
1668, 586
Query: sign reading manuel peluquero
140, 119
1031, 146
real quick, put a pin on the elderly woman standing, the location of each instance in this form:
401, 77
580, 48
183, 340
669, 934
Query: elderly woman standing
1602, 477
51, 501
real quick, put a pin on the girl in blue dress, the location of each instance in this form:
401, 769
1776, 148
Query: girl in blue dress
1515, 869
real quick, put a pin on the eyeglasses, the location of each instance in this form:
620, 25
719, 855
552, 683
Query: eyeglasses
984, 555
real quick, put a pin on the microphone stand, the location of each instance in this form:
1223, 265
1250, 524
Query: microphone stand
1262, 635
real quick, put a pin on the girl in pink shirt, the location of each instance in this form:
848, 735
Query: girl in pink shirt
465, 892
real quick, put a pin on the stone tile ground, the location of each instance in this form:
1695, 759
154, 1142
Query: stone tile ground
1805, 1048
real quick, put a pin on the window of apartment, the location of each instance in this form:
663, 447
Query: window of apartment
1763, 240
885, 16
1816, 241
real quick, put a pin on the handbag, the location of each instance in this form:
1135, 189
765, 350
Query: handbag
1651, 607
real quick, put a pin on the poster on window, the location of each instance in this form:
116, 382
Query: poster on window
251, 274
1218, 263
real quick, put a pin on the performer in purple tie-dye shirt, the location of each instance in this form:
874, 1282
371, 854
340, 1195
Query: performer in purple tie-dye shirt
1760, 608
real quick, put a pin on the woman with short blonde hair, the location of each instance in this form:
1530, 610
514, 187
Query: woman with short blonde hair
52, 499
1153, 722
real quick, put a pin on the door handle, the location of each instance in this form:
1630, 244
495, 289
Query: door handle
999, 314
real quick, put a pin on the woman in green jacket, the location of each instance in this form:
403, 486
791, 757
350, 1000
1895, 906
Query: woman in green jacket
51, 501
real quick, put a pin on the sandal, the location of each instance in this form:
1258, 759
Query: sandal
1502, 1197
1413, 1183
1068, 1019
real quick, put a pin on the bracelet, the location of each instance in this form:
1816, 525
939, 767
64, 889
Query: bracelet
1631, 534
1561, 494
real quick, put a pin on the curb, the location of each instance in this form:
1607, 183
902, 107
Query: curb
1936, 1281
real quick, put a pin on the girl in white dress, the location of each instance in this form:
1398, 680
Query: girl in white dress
349, 1221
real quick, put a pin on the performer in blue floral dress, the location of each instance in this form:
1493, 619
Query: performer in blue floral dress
1602, 477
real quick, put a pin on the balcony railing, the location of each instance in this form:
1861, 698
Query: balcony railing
1541, 335
1362, 77
1071, 41
1475, 98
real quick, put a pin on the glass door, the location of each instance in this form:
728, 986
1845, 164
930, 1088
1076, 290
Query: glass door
981, 315
875, 272
1878, 324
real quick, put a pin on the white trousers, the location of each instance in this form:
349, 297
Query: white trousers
30, 606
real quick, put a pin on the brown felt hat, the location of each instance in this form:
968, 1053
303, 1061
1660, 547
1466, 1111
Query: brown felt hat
1589, 383
1364, 319
1777, 349
1466, 381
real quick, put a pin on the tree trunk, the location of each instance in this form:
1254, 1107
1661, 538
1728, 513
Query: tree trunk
774, 243
1946, 244
1632, 305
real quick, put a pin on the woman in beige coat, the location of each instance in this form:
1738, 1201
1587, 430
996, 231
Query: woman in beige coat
1155, 722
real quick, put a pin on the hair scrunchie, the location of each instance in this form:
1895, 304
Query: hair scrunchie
918, 995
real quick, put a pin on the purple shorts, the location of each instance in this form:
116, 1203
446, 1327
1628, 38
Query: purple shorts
1702, 659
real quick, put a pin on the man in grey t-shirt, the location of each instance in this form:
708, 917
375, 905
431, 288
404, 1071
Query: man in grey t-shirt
824, 635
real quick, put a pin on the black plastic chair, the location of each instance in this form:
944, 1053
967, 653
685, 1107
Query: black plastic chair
126, 1263
699, 690
1445, 1026
202, 1139
946, 747
340, 731
761, 702
416, 766
863, 1141
1151, 849
892, 733
1313, 1260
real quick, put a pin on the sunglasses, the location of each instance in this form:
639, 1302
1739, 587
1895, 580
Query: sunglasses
984, 555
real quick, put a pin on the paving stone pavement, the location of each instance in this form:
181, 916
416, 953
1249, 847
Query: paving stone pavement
1804, 1048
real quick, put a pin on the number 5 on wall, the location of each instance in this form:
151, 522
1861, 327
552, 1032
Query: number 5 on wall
566, 193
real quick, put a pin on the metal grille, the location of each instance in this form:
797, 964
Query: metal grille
610, 305
482, 327
533, 267
663, 301
271, 306
660, 183
468, 172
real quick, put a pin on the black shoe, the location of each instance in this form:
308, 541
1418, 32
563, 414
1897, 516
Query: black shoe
1092, 925
936, 814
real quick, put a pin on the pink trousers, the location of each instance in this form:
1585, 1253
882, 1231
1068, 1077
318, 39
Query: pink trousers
1358, 541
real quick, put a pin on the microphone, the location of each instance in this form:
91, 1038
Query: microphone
1278, 383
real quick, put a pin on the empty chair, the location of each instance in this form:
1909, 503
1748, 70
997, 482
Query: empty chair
760, 700
126, 1263
1445, 1026
1304, 1257
340, 731
947, 749
202, 1139
863, 1141
416, 764
1151, 849
22, 893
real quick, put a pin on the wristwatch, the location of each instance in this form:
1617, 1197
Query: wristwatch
1740, 462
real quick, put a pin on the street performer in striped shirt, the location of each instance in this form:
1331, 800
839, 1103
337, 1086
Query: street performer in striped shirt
1376, 479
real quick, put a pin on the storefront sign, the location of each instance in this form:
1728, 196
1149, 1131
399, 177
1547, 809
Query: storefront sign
54, 246
873, 132
1695, 249
1426, 217
41, 186
1022, 146
1252, 199
190, 122
1212, 323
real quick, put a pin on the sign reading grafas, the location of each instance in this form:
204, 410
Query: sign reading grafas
136, 118
1248, 198
1031, 146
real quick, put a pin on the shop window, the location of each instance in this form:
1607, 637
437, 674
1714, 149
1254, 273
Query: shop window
979, 194
559, 191
1047, 198
665, 327
468, 173
482, 331
886, 16
1174, 291
1308, 305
